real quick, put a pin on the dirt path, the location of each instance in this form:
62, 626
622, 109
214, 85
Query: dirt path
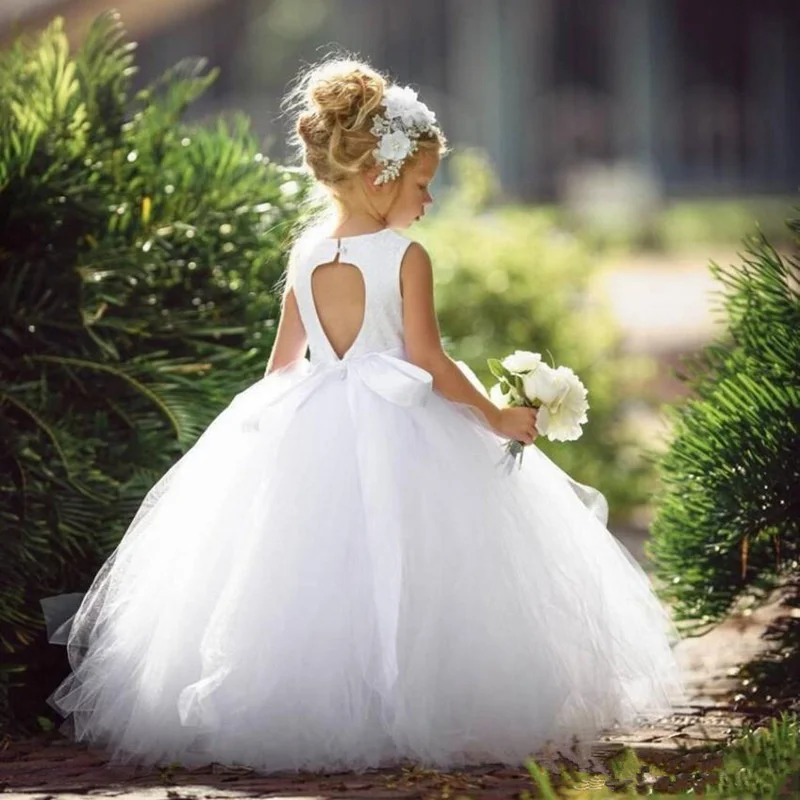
663, 303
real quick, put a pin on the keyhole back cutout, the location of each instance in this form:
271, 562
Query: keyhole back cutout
339, 295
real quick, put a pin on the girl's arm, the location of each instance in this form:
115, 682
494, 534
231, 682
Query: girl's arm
423, 340
290, 339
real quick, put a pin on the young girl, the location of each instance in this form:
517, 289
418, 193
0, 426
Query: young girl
339, 575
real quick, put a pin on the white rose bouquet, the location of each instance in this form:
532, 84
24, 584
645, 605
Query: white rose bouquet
523, 379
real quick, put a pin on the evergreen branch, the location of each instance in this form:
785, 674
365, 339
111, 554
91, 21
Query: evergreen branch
122, 375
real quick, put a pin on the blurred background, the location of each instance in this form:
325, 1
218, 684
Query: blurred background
661, 98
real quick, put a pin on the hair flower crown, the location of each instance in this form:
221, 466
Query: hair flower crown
399, 128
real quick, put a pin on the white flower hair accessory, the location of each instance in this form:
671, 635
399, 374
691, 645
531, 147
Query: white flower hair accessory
399, 128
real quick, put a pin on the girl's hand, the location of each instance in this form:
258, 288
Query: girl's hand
518, 423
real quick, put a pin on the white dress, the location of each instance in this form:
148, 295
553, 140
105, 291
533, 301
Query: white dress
340, 574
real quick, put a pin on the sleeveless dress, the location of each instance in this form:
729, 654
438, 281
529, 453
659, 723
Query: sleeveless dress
341, 574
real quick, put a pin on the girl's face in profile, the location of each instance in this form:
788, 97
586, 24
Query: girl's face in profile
413, 196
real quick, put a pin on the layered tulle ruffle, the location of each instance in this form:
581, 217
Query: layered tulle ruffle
341, 573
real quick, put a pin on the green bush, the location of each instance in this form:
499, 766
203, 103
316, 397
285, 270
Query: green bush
763, 762
678, 225
137, 260
688, 223
511, 279
728, 517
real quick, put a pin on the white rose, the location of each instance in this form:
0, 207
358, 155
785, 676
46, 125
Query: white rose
561, 420
393, 147
573, 394
557, 427
399, 101
544, 384
497, 397
522, 361
421, 116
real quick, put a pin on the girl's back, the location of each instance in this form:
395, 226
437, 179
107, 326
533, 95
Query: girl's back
348, 293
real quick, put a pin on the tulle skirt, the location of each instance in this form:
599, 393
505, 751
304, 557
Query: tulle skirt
343, 573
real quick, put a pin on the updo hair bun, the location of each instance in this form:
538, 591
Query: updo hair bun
346, 92
333, 103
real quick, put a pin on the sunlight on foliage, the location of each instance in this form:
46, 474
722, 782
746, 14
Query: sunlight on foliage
759, 763
137, 267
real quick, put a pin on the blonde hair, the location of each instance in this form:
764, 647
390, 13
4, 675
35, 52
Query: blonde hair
332, 104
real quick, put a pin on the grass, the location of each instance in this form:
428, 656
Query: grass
761, 763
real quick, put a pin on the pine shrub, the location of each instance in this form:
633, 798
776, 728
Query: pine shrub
728, 517
138, 261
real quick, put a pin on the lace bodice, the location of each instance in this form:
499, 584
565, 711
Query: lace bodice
378, 255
